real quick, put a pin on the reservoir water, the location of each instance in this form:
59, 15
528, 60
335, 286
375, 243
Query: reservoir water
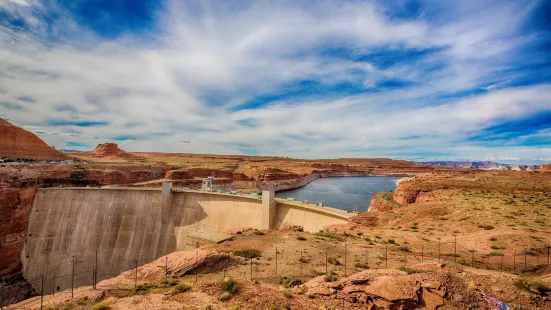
342, 192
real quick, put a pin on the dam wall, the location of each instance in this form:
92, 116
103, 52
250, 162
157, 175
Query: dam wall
109, 230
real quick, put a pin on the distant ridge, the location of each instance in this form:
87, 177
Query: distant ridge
484, 165
16, 142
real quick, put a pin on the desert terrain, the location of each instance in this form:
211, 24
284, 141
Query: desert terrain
438, 240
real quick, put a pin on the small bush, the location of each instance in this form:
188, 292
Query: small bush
391, 241
533, 287
326, 234
142, 289
230, 285
412, 270
404, 248
361, 265
82, 302
493, 239
495, 253
497, 246
259, 233
224, 296
287, 294
68, 306
331, 278
303, 260
170, 281
301, 238
486, 227
103, 305
334, 261
248, 253
463, 262
288, 282
180, 288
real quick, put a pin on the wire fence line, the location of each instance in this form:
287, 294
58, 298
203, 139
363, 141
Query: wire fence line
336, 259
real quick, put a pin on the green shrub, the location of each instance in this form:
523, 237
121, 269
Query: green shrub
288, 282
412, 270
68, 306
533, 287
259, 233
326, 234
287, 294
170, 281
333, 260
248, 253
230, 285
303, 260
497, 246
361, 265
180, 288
82, 302
301, 238
331, 278
463, 262
495, 253
224, 296
391, 241
103, 305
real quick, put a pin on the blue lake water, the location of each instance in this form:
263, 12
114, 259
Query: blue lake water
342, 192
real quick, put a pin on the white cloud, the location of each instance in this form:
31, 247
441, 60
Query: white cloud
162, 89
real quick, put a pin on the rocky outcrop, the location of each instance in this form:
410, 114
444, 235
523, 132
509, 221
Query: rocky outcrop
18, 143
546, 168
381, 289
108, 149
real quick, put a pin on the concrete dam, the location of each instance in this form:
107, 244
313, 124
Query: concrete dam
111, 230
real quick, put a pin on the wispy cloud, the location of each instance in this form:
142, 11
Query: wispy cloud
325, 79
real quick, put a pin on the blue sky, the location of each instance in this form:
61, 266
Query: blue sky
416, 80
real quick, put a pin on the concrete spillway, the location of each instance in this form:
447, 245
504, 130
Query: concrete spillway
127, 226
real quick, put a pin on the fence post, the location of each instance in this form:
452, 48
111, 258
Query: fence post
514, 261
136, 275
73, 278
548, 254
472, 258
455, 250
326, 274
422, 252
196, 266
300, 274
345, 259
166, 267
386, 255
2, 295
525, 259
501, 267
53, 285
487, 262
438, 249
41, 292
405, 253
276, 262
251, 268
366, 257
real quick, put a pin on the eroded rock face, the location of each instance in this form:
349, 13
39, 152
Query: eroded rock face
108, 149
16, 142
546, 168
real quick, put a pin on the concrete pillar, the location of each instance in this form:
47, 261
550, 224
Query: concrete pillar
268, 209
166, 201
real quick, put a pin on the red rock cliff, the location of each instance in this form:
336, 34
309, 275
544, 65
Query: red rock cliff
16, 142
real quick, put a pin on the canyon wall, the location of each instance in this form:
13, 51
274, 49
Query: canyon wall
129, 225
